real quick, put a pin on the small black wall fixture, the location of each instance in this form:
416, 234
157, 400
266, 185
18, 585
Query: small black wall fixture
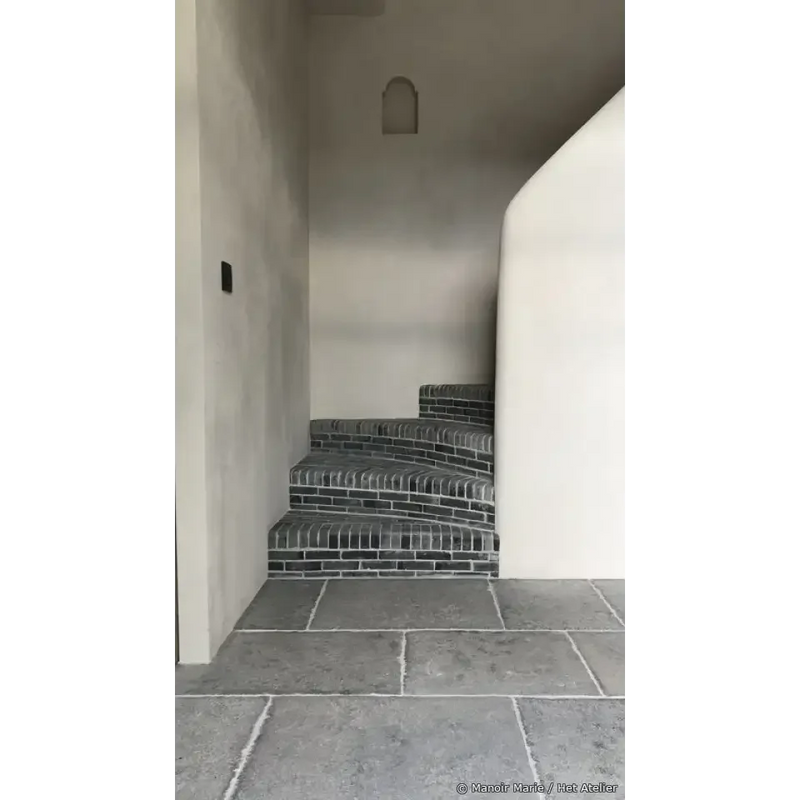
227, 277
400, 107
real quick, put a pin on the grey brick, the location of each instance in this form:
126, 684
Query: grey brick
286, 555
394, 496
404, 506
453, 566
442, 512
424, 498
317, 555
455, 502
347, 502
472, 516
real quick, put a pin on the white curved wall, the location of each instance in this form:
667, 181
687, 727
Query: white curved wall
560, 362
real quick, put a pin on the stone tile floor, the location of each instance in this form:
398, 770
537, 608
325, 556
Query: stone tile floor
406, 688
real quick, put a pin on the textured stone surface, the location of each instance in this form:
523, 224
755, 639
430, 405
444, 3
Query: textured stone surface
287, 663
552, 605
210, 733
383, 748
494, 663
577, 741
281, 604
605, 655
614, 593
407, 604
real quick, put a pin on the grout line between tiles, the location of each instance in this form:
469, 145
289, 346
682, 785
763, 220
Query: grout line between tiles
403, 665
428, 630
585, 664
247, 751
608, 605
531, 760
316, 605
408, 696
461, 576
492, 592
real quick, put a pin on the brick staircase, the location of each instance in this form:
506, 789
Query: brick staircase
391, 497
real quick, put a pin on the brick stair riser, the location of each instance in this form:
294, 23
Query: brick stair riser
475, 412
380, 563
411, 504
409, 451
471, 403
492, 572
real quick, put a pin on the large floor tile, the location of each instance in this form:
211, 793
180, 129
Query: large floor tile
413, 603
441, 662
614, 592
288, 663
285, 605
210, 733
552, 605
605, 655
577, 741
404, 748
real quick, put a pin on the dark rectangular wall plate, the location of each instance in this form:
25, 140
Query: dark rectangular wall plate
227, 278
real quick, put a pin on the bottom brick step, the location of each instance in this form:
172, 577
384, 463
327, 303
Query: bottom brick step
320, 544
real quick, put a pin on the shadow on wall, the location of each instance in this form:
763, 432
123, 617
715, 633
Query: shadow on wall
243, 76
491, 367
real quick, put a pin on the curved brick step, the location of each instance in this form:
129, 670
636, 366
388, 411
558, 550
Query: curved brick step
458, 446
320, 544
359, 484
464, 402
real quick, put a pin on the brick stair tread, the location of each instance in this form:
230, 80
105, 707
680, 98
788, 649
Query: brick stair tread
302, 530
447, 432
314, 520
358, 471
